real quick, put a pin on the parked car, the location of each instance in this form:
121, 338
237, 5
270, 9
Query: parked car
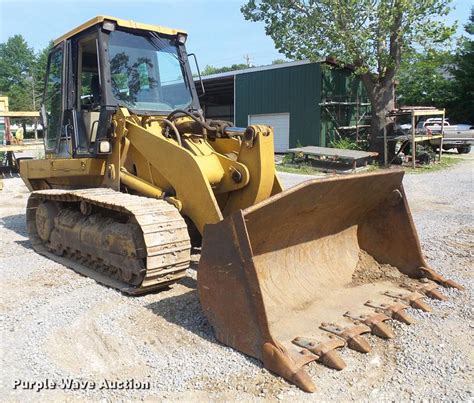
460, 137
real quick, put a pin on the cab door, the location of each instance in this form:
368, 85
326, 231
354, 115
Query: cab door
52, 109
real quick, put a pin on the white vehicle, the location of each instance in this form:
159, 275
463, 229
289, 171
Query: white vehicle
460, 137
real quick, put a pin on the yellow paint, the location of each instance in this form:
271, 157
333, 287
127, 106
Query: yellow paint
139, 185
121, 23
17, 114
259, 159
206, 184
3, 104
183, 170
59, 167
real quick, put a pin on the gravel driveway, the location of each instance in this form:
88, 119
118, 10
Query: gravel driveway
57, 326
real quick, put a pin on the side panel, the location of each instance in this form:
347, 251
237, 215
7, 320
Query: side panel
295, 90
68, 173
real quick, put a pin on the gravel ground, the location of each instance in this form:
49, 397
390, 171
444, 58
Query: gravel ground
59, 326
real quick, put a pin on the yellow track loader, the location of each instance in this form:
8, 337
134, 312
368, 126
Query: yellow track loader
134, 175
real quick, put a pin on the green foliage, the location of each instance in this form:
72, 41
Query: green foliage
425, 79
444, 79
40, 66
16, 65
208, 70
287, 158
16, 61
366, 33
22, 73
447, 161
463, 110
346, 144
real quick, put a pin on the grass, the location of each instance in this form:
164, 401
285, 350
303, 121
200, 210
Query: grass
301, 169
447, 161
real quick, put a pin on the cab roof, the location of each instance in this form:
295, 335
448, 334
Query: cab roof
121, 23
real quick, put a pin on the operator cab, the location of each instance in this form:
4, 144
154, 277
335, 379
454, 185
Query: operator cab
106, 64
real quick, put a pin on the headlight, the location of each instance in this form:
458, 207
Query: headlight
105, 147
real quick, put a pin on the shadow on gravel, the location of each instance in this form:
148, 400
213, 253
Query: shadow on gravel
185, 311
16, 223
189, 282
25, 244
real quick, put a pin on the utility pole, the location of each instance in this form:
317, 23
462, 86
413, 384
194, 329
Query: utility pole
248, 60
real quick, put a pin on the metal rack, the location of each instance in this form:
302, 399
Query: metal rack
10, 147
330, 105
415, 113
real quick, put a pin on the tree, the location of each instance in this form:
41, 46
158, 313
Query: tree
16, 61
426, 79
22, 73
370, 35
39, 73
16, 65
464, 77
208, 70
279, 61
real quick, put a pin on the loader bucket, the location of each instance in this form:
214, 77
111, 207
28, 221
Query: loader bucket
309, 270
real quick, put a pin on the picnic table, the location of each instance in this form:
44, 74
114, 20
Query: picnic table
335, 154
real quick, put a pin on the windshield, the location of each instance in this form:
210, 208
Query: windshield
147, 72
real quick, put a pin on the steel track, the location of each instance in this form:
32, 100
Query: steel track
164, 231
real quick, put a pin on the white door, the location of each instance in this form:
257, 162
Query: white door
281, 127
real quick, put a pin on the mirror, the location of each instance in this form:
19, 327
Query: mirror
199, 73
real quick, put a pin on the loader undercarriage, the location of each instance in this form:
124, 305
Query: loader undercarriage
132, 243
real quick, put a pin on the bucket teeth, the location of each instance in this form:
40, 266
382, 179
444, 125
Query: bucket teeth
277, 359
332, 359
415, 299
432, 275
428, 288
358, 343
376, 323
303, 381
403, 317
420, 304
453, 284
326, 351
395, 310
381, 329
351, 334
436, 294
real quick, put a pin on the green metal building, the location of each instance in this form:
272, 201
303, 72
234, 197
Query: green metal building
307, 103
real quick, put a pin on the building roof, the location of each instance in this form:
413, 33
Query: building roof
121, 23
262, 68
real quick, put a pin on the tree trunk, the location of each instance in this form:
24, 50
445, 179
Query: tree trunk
382, 100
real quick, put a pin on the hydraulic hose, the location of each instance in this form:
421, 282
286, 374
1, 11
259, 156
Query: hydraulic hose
183, 112
175, 129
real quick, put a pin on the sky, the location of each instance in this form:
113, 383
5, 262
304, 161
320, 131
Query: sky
218, 33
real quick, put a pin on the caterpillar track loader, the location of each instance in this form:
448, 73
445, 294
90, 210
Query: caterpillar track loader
134, 175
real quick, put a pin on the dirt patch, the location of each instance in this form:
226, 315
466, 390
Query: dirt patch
85, 348
368, 270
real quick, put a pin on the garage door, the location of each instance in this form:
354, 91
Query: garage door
281, 126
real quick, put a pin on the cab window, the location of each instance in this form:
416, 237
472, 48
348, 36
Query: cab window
53, 98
